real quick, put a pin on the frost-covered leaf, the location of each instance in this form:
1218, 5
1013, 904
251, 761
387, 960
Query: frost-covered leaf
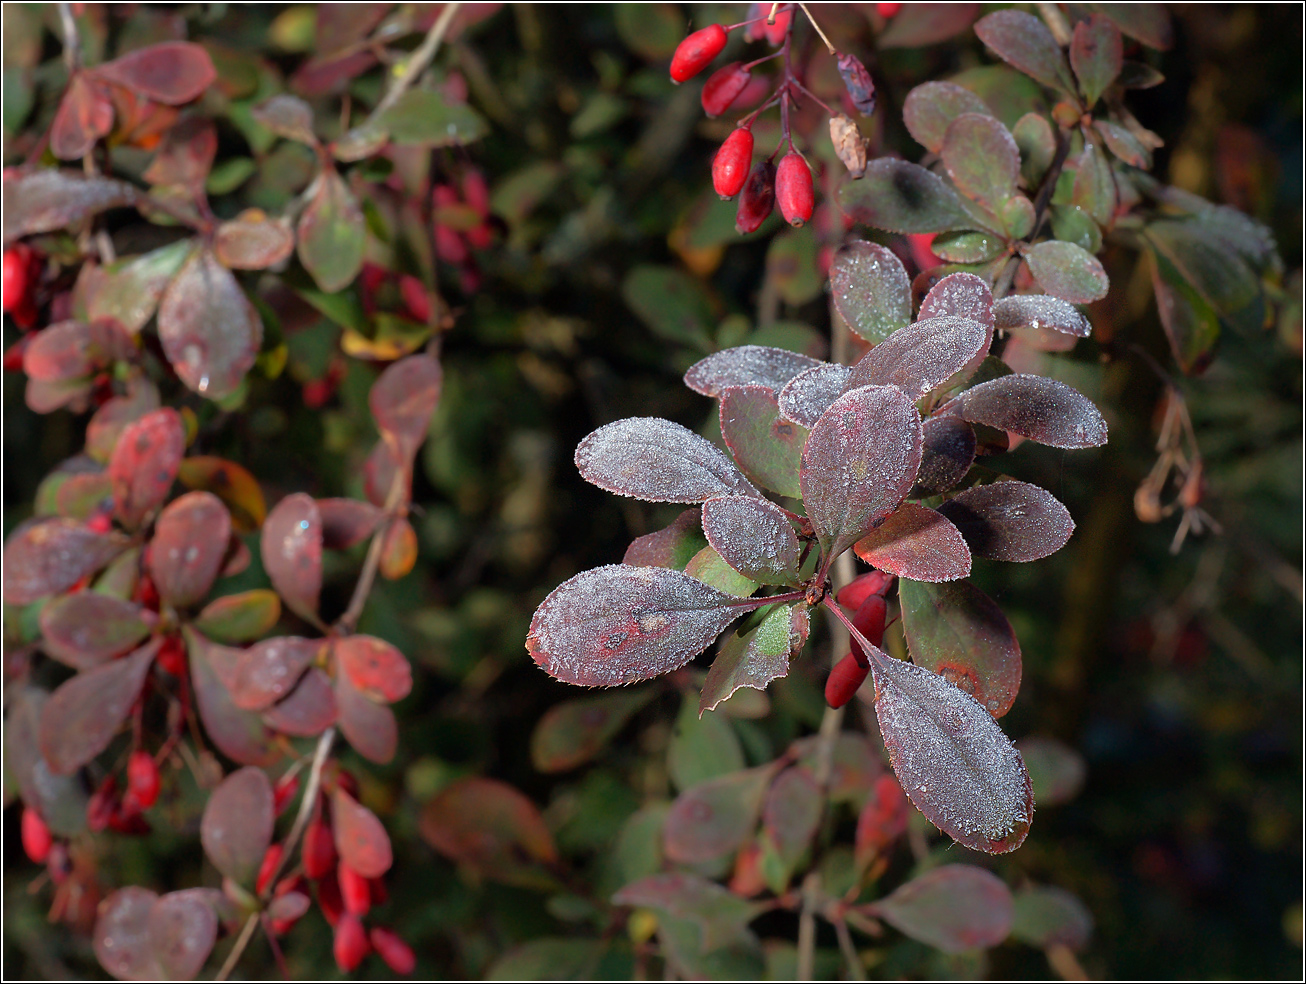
903, 197
932, 106
766, 447
375, 667
236, 829
659, 461
489, 827
86, 628
753, 536
1040, 311
574, 731
1096, 55
128, 291
967, 247
954, 908
50, 199
746, 365
122, 935
308, 710
254, 240
402, 400
1056, 770
959, 295
190, 542
758, 656
957, 631
918, 543
368, 726
1046, 916
922, 355
1145, 22
1041, 409
859, 463
1067, 271
717, 816
238, 734
50, 556
810, 393
182, 929
671, 547
360, 838
982, 159
331, 233
172, 72
1010, 521
1024, 42
291, 548
84, 713
870, 289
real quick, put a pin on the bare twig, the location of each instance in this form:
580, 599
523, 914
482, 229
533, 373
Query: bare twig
72, 46
828, 46
1056, 22
242, 941
418, 60
855, 969
807, 926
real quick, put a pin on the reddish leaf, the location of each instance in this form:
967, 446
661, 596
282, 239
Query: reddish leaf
122, 935
487, 826
331, 233
746, 365
957, 631
190, 542
45, 396
1094, 191
346, 522
1067, 271
108, 423
209, 329
128, 291
923, 355
574, 731
859, 463
1010, 520
658, 461
86, 628
360, 838
854, 767
671, 547
982, 159
380, 472
1041, 409
954, 908
85, 115
1046, 916
308, 710
74, 349
254, 240
59, 801
173, 72
81, 496
758, 656
182, 929
230, 482
932, 106
1145, 22
1024, 42
291, 548
918, 24
287, 116
368, 726
185, 156
716, 817
791, 815
918, 543
1096, 55
375, 667
959, 295
240, 617
343, 25
882, 821
402, 400
324, 76
237, 825
238, 734
767, 448
1040, 311
947, 452
49, 199
1056, 770
810, 393
50, 556
870, 289
754, 537
267, 670
83, 714
617, 624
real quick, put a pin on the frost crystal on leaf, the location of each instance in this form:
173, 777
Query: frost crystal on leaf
809, 394
921, 356
746, 365
658, 461
1040, 311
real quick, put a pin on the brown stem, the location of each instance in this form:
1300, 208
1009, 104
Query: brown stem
418, 60
242, 941
807, 927
72, 48
346, 623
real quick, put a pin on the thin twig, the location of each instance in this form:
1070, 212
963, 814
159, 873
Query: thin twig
1055, 21
346, 623
72, 47
418, 60
807, 927
828, 46
855, 968
242, 941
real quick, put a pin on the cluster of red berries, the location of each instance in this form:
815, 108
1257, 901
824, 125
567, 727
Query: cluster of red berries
461, 224
866, 596
22, 274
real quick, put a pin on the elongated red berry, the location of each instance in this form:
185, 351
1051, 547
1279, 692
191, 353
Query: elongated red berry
284, 791
693, 54
844, 680
268, 867
869, 621
143, 778
730, 166
391, 948
723, 87
887, 10
775, 33
319, 850
354, 890
328, 899
757, 200
16, 276
350, 946
793, 189
852, 595
36, 836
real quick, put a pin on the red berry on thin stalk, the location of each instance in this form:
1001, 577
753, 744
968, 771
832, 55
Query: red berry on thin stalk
757, 200
36, 836
351, 944
693, 54
391, 948
319, 850
284, 791
793, 189
172, 656
723, 87
844, 680
869, 621
271, 861
17, 276
354, 890
730, 166
143, 778
775, 33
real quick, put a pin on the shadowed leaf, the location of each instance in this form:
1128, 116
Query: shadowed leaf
230, 482
122, 935
361, 840
86, 628
574, 731
767, 448
854, 767
1046, 916
402, 400
368, 726
375, 667
919, 24
758, 656
240, 617
903, 197
173, 72
190, 541
50, 556
1041, 409
671, 303
954, 908
267, 670
1040, 311
916, 542
746, 365
658, 461
870, 289
254, 240
185, 157
1145, 22
346, 522
932, 106
882, 821
1024, 42
331, 233
717, 816
85, 115
810, 393
922, 355
1124, 144
1094, 187
107, 424
128, 291
489, 827
1056, 770
60, 800
719, 914
981, 158
672, 547
291, 548
754, 537
236, 829
238, 734
702, 746
70, 350
287, 116
1096, 55
49, 199
1067, 271
182, 930
308, 710
424, 118
1191, 324
1010, 521
791, 815
1208, 262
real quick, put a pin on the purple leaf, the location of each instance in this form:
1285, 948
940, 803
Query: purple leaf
489, 827
1145, 22
72, 350
923, 355
209, 329
107, 423
918, 543
717, 816
792, 814
1040, 311
291, 548
361, 840
1094, 191
953, 762
671, 547
50, 199
287, 116
332, 233
182, 929
240, 735
172, 72
918, 24
85, 629
766, 447
346, 522
60, 800
870, 289
859, 463
958, 632
810, 394
1096, 55
1024, 42
236, 829
84, 713
308, 710
758, 656
754, 537
254, 240
122, 935
617, 624
190, 541
574, 731
903, 197
1046, 916
1123, 144
85, 115
49, 556
144, 464
368, 726
1010, 521
954, 908
746, 365
959, 295
932, 106
947, 452
185, 157
402, 400
1041, 409
1056, 770
267, 670
1067, 271
982, 159
658, 461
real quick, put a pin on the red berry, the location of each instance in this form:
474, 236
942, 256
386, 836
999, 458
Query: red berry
328, 899
449, 246
723, 87
100, 523
730, 166
860, 588
284, 791
271, 861
477, 192
775, 33
354, 890
319, 850
17, 276
143, 778
36, 835
397, 954
758, 199
693, 54
869, 621
844, 680
887, 10
444, 196
481, 237
793, 189
351, 944
416, 300
14, 354
172, 656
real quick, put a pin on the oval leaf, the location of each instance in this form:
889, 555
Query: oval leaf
287, 116
240, 617
346, 522
923, 355
308, 710
810, 393
1041, 409
959, 295
368, 726
716, 817
1040, 311
754, 537
982, 159
291, 548
49, 557
236, 829
254, 240
932, 106
190, 541
918, 543
767, 448
266, 671
144, 464
361, 840
85, 629
746, 365
107, 423
758, 656
791, 815
331, 233
487, 826
1046, 916
85, 115
1067, 271
574, 731
402, 400
230, 482
1024, 42
122, 935
1097, 55
375, 667
954, 908
1056, 770
1010, 521
871, 290
238, 734
903, 197
173, 72
182, 929
50, 199
671, 547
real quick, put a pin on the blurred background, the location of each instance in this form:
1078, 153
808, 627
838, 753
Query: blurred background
1175, 676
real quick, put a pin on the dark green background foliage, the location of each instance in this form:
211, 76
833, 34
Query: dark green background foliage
1177, 677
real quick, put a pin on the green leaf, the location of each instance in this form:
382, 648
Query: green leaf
756, 657
708, 566
931, 107
767, 449
967, 247
229, 174
331, 233
1190, 322
701, 748
671, 303
1096, 55
241, 617
1094, 189
716, 817
574, 731
954, 908
903, 197
982, 159
1067, 271
651, 30
1045, 916
551, 958
870, 289
1073, 225
1038, 146
128, 291
1222, 278
1024, 42
423, 118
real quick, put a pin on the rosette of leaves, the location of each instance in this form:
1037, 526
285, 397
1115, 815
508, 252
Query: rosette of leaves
823, 458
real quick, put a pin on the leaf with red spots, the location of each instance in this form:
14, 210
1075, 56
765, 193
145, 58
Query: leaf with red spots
489, 827
574, 731
618, 624
954, 908
402, 400
923, 355
754, 537
190, 541
368, 726
758, 656
230, 482
717, 816
122, 935
236, 828
308, 710
767, 448
85, 115
173, 72
1041, 409
48, 557
918, 543
182, 928
254, 240
746, 365
361, 840
86, 628
1010, 520
374, 667
291, 548
240, 735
